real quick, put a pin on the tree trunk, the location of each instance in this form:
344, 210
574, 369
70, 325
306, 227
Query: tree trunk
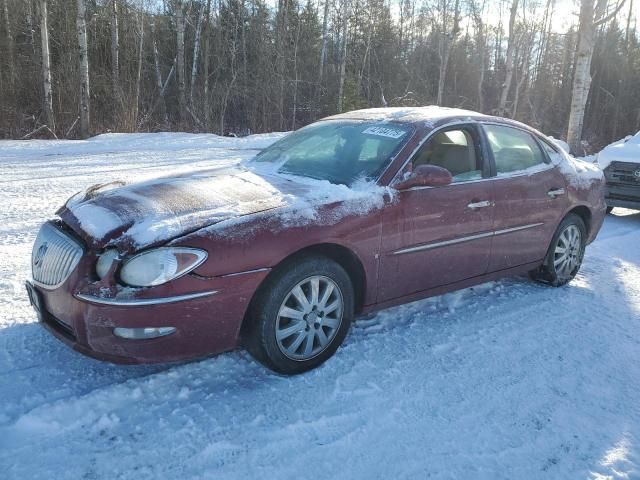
582, 74
323, 53
159, 84
115, 54
10, 49
207, 53
83, 61
343, 58
196, 53
46, 67
447, 37
136, 101
180, 62
502, 107
444, 64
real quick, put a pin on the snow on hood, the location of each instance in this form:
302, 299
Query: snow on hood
144, 214
624, 150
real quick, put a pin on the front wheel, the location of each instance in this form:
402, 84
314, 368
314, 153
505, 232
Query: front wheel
565, 254
301, 315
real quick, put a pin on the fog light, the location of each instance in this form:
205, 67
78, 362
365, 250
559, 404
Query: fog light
143, 333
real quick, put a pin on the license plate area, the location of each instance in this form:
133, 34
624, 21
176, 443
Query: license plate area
35, 298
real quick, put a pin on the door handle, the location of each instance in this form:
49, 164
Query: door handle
556, 192
476, 205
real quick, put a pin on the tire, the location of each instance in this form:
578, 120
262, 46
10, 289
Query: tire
291, 329
609, 209
559, 268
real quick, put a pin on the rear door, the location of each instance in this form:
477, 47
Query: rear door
530, 196
433, 236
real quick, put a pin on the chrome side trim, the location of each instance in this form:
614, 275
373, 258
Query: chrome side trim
140, 302
430, 246
515, 229
245, 272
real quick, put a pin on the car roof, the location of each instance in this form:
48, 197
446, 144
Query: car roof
411, 114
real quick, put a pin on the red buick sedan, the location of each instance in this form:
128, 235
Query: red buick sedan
354, 213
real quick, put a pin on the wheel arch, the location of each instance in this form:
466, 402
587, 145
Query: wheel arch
342, 255
585, 214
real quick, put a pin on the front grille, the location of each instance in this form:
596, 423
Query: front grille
55, 255
623, 173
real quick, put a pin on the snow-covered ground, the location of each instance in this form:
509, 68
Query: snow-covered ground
506, 380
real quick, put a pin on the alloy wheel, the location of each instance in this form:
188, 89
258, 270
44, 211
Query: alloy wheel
309, 318
568, 251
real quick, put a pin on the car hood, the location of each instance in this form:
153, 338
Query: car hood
135, 216
625, 150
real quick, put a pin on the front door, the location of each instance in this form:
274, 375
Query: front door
433, 236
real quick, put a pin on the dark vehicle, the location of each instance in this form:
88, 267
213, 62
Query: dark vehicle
279, 254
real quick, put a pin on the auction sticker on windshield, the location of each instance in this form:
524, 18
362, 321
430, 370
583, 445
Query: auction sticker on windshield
384, 132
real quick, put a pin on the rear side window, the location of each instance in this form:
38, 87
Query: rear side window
513, 150
553, 154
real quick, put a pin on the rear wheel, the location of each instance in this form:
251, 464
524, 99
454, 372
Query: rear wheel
565, 254
301, 315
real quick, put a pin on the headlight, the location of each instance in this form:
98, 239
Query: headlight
104, 262
160, 265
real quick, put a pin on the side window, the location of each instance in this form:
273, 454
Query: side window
454, 150
513, 149
552, 153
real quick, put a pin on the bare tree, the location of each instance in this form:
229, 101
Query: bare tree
196, 53
83, 63
343, 56
46, 66
592, 15
207, 55
10, 45
136, 101
180, 60
158, 72
511, 45
447, 37
115, 52
323, 49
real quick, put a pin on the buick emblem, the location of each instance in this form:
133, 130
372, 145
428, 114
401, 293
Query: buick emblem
42, 251
637, 174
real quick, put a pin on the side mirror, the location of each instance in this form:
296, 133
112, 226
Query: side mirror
426, 176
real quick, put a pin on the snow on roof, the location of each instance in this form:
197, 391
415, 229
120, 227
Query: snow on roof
407, 114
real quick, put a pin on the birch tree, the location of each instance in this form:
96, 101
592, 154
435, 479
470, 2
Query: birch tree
343, 56
509, 66
83, 68
448, 35
592, 14
180, 61
196, 53
115, 52
46, 67
10, 45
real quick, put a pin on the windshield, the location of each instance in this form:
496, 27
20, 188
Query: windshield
336, 150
